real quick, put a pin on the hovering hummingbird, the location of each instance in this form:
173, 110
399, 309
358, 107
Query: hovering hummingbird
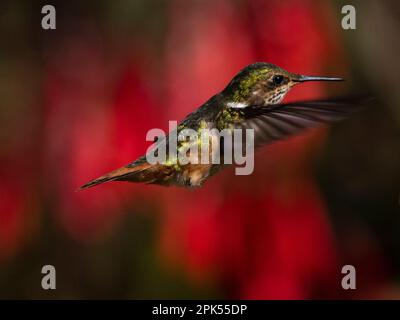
252, 100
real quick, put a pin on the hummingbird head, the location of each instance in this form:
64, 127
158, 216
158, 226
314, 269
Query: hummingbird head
263, 84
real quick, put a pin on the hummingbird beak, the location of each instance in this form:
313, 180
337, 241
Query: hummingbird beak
301, 78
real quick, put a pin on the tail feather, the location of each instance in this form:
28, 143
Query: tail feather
124, 173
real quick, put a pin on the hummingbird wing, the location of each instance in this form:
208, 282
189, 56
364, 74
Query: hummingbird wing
277, 122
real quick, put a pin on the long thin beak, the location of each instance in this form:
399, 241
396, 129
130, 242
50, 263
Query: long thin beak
302, 78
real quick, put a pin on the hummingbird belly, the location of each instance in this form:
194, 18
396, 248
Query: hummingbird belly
199, 166
193, 175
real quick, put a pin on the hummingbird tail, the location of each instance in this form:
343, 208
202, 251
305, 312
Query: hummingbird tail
127, 173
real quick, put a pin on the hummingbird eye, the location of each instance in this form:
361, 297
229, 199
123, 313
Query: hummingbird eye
277, 79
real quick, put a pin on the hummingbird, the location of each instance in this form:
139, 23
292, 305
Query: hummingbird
251, 100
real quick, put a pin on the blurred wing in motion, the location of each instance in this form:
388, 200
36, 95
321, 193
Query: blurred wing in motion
277, 122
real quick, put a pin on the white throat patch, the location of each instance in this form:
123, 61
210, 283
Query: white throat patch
237, 105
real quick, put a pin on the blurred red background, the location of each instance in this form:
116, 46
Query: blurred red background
108, 74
